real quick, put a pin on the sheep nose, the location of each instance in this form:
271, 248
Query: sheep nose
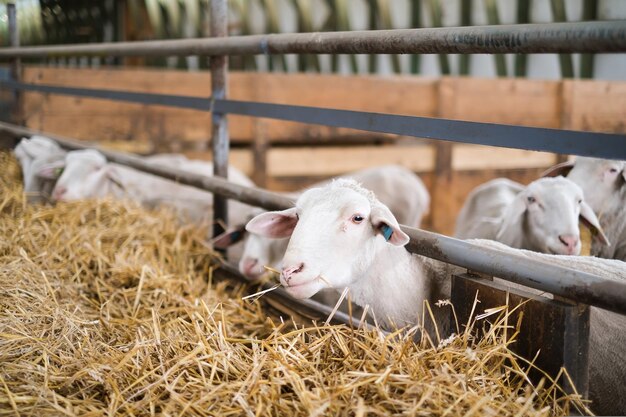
58, 193
288, 273
248, 265
570, 241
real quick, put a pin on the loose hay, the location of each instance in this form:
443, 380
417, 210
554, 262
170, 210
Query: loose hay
111, 309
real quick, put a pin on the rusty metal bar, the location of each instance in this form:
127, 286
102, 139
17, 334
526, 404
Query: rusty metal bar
16, 67
577, 286
220, 186
219, 124
578, 37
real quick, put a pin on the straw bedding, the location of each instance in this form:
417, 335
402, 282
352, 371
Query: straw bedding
109, 309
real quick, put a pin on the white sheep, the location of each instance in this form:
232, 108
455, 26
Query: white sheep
542, 217
395, 186
88, 175
604, 183
33, 155
341, 236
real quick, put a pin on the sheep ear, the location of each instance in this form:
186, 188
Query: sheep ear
275, 224
51, 171
386, 224
588, 217
559, 169
230, 237
511, 221
114, 176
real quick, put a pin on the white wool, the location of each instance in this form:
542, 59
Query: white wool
604, 184
393, 282
397, 187
543, 216
34, 154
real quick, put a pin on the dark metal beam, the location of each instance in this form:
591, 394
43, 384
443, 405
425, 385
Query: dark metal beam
577, 286
584, 37
601, 145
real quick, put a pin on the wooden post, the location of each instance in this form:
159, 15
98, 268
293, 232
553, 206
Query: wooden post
259, 153
559, 330
442, 181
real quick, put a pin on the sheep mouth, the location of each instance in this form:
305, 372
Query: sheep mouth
301, 284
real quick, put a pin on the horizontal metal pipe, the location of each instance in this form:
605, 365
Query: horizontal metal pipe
585, 37
217, 185
570, 284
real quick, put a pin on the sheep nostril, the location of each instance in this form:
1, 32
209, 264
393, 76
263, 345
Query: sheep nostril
248, 265
59, 192
569, 240
287, 273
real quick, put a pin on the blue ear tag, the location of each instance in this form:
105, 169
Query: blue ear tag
387, 232
235, 236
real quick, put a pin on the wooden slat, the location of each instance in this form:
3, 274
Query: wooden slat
507, 101
594, 105
91, 119
331, 161
88, 118
468, 157
399, 95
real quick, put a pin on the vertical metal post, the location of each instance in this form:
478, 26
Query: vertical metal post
14, 40
219, 139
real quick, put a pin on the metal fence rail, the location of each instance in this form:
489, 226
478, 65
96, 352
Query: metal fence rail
570, 284
584, 37
600, 145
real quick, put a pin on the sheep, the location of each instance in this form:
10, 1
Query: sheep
34, 154
604, 184
607, 339
341, 235
88, 175
541, 217
397, 187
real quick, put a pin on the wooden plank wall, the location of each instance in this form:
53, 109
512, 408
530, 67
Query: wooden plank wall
450, 171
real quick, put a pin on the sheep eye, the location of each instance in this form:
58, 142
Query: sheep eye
613, 170
297, 216
357, 218
531, 199
580, 201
